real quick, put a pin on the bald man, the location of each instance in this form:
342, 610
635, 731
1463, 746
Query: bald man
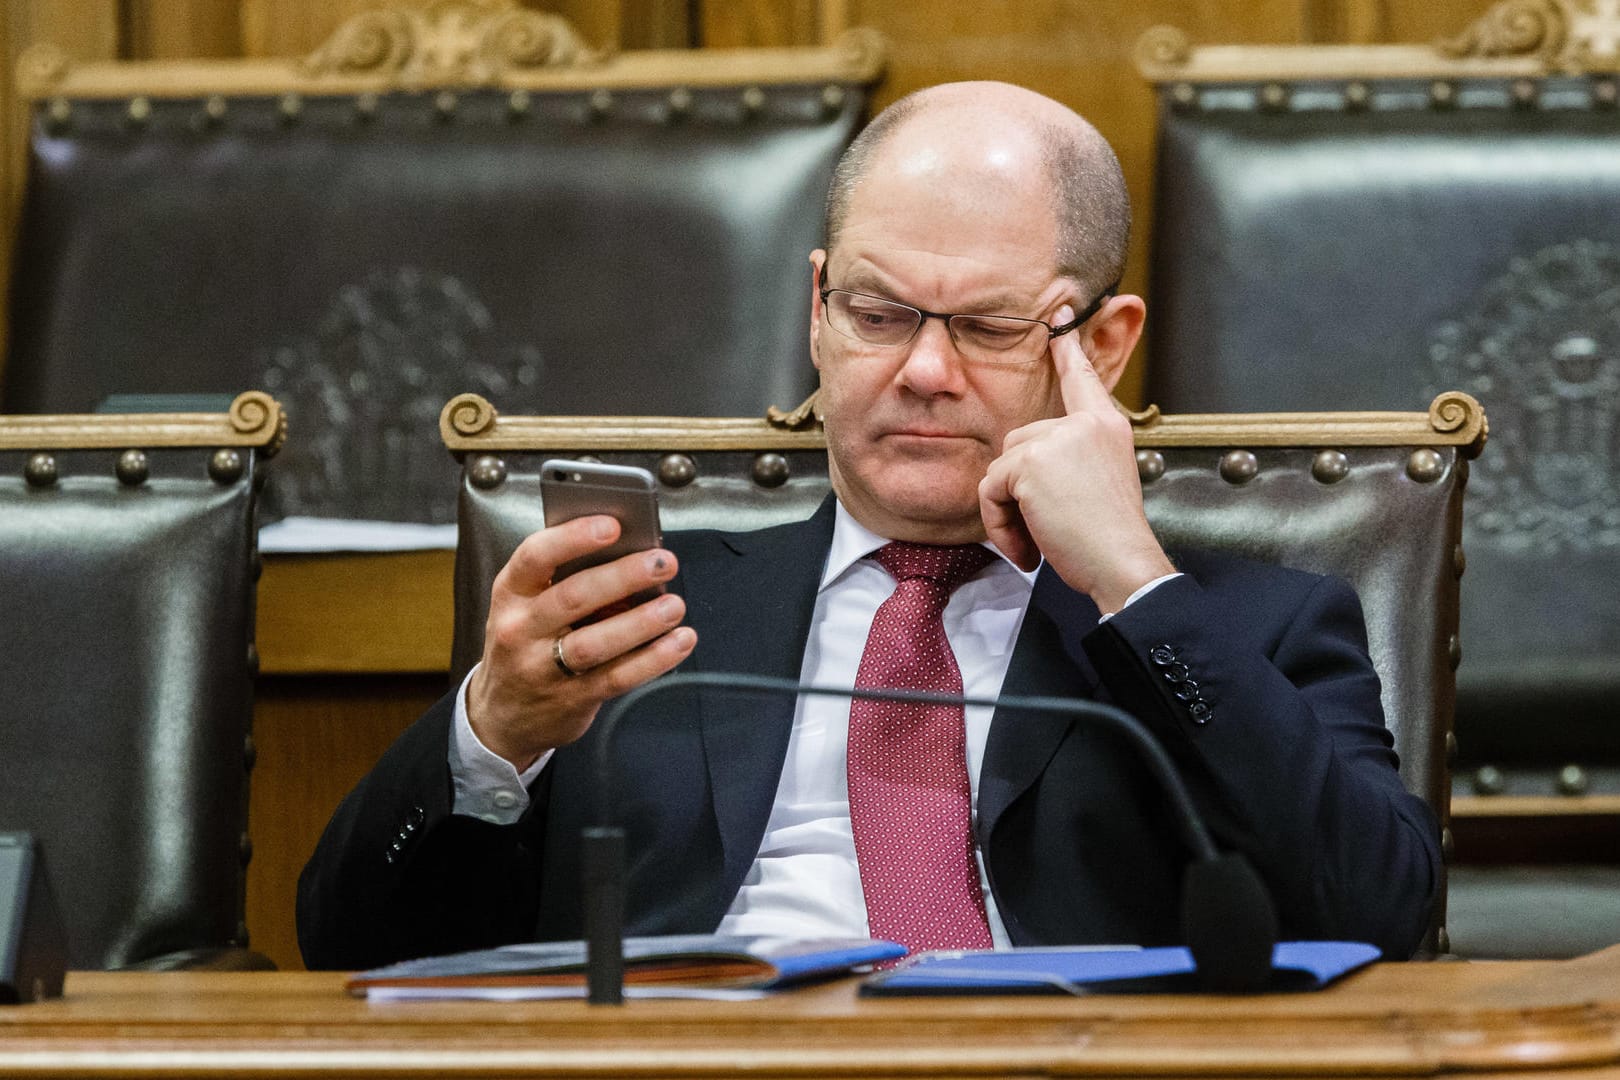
966, 330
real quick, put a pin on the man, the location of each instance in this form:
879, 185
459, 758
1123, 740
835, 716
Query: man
967, 339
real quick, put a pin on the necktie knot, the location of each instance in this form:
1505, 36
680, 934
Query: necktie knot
945, 565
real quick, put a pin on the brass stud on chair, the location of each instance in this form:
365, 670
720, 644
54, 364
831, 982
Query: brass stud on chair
676, 470
40, 471
139, 111
1604, 92
1489, 780
132, 468
244, 848
365, 108
1448, 845
225, 465
250, 752
1330, 466
1274, 97
1459, 560
1525, 93
253, 659
214, 110
518, 103
1183, 96
444, 105
1451, 748
832, 100
290, 107
1442, 94
753, 102
1239, 466
486, 472
1149, 465
1425, 465
1442, 941
680, 104
1573, 780
600, 104
1454, 652
1357, 96
770, 470
59, 115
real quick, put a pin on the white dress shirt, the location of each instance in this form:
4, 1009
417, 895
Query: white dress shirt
805, 881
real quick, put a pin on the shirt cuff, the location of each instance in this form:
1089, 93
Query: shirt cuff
486, 785
1138, 594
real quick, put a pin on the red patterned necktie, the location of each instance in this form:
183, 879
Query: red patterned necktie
910, 805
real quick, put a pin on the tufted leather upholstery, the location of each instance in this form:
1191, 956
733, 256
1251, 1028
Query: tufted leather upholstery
126, 630
1311, 255
1391, 534
364, 256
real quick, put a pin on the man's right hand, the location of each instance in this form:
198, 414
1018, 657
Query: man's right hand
520, 702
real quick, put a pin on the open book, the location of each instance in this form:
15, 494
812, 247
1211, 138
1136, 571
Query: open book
675, 965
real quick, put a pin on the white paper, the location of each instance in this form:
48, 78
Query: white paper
308, 535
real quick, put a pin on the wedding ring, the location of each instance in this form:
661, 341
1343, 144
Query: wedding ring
559, 658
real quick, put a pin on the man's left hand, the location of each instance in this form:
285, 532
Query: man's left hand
1067, 488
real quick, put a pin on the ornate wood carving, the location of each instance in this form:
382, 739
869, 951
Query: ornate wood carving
255, 420
1513, 39
470, 422
433, 44
461, 42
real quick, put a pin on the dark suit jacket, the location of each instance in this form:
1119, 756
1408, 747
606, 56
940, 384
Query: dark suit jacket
1290, 764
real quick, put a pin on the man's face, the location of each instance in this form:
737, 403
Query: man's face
912, 428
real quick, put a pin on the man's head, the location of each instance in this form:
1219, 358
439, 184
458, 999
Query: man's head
968, 198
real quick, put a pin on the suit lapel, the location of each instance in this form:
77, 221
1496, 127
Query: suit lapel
1048, 660
751, 604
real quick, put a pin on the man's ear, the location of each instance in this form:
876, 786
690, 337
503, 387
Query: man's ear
818, 266
1111, 334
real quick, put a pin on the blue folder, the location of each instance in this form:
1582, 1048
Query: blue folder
1296, 966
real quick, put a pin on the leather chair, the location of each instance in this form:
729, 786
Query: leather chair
448, 195
127, 559
1350, 227
1374, 498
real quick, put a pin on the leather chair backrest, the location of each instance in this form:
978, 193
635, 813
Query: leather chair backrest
1354, 228
1372, 497
127, 558
366, 233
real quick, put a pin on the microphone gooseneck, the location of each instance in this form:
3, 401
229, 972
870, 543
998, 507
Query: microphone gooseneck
1227, 917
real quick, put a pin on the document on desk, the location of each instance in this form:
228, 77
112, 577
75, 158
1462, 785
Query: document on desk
1295, 966
685, 965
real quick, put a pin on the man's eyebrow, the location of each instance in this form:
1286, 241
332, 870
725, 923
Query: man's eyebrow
994, 304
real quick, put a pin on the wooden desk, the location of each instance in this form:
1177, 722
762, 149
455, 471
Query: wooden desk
1551, 1018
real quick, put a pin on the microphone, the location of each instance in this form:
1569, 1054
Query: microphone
1227, 917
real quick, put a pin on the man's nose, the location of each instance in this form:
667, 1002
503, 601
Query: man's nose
933, 364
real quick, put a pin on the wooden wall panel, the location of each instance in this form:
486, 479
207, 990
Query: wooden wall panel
178, 29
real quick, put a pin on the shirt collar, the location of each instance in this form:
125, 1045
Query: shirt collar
852, 542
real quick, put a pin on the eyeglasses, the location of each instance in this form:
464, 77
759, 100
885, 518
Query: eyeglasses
987, 339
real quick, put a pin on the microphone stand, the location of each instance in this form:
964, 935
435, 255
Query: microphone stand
1227, 916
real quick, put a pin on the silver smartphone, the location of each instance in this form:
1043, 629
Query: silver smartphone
572, 489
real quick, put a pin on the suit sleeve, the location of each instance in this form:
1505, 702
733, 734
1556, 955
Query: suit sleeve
397, 875
1278, 729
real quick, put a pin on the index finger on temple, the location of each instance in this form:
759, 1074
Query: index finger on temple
1081, 386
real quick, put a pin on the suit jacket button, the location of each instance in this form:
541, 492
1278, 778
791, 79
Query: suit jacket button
416, 816
1200, 712
1175, 672
1187, 691
1162, 655
390, 855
